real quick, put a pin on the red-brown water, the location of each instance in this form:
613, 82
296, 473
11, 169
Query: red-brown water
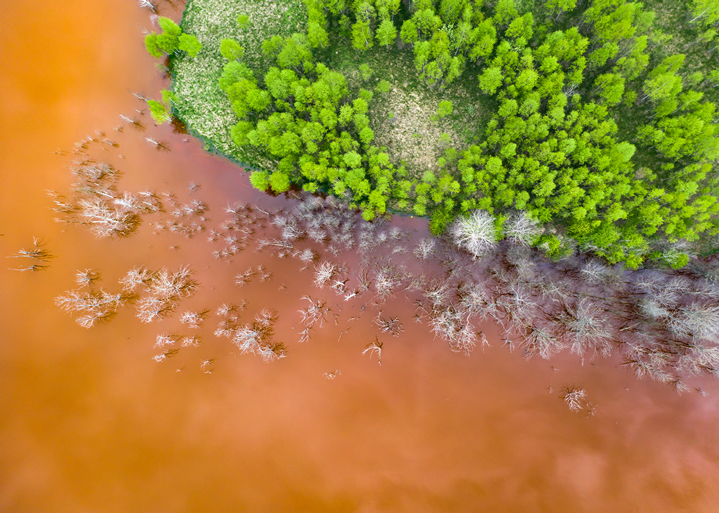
91, 423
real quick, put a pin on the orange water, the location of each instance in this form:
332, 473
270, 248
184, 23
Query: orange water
91, 423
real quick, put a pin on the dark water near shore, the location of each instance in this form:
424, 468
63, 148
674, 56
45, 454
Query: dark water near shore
91, 423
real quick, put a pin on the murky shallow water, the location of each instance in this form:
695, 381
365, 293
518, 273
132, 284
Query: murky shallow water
91, 423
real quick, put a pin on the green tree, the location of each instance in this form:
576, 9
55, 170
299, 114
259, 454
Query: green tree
484, 37
243, 21
445, 108
166, 42
362, 35
231, 49
317, 35
365, 71
260, 180
159, 112
383, 86
190, 44
386, 33
610, 87
706, 12
279, 182
490, 79
408, 33
559, 7
504, 12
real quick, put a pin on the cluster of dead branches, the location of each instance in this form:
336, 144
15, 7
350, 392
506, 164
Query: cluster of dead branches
97, 203
314, 314
162, 290
38, 255
95, 306
256, 337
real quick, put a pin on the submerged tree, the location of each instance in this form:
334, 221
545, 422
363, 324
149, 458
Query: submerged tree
95, 306
374, 348
38, 253
256, 337
575, 398
476, 233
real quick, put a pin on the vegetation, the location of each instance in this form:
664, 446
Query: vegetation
590, 128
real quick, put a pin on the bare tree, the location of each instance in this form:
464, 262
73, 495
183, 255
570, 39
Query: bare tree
597, 273
96, 306
194, 319
226, 309
169, 353
315, 312
539, 341
244, 278
390, 325
476, 233
107, 221
575, 398
522, 229
193, 341
324, 273
135, 277
255, 337
374, 348
585, 326
453, 326
385, 280
425, 248
37, 251
87, 277
166, 339
697, 319
164, 290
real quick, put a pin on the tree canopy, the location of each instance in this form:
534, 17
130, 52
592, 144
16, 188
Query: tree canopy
599, 134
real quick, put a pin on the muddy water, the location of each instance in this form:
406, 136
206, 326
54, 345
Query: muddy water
91, 423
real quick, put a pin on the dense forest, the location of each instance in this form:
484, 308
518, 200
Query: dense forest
598, 133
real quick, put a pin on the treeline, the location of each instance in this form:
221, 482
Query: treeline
562, 75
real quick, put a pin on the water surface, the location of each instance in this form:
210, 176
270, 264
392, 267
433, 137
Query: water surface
91, 423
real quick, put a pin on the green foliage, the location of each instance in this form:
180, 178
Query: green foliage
243, 21
365, 71
171, 40
168, 97
152, 46
362, 35
231, 49
386, 33
190, 44
260, 180
317, 35
598, 130
445, 108
383, 86
279, 182
159, 112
